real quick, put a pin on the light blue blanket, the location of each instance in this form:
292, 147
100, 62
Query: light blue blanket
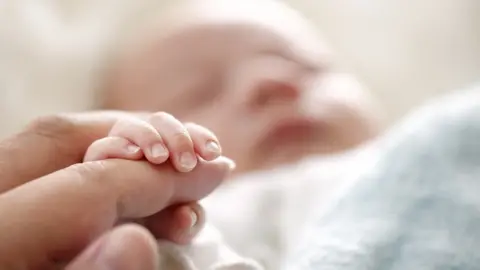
418, 208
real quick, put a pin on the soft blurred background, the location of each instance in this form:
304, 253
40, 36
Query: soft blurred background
405, 51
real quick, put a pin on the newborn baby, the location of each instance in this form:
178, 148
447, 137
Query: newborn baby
253, 72
160, 138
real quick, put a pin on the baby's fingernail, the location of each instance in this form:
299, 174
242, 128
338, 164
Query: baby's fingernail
186, 233
158, 150
213, 147
194, 219
133, 149
231, 164
188, 161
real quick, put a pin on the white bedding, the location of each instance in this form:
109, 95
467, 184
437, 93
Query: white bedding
261, 215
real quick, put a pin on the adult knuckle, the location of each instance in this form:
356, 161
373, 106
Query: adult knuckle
54, 126
89, 171
57, 130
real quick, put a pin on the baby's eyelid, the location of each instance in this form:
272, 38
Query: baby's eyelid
310, 66
311, 69
305, 69
306, 72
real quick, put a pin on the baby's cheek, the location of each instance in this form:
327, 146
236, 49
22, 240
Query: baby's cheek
335, 90
344, 108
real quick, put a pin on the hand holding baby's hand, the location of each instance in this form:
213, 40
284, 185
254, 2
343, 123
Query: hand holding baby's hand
159, 139
59, 209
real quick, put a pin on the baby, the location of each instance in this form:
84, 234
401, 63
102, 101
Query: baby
255, 74
251, 71
163, 138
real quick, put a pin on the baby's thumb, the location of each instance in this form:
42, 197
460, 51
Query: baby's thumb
124, 248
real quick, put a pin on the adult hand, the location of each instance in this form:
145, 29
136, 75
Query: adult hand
69, 204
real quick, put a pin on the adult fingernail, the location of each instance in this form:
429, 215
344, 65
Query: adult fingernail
188, 161
92, 253
158, 150
114, 253
213, 147
102, 255
130, 247
110, 253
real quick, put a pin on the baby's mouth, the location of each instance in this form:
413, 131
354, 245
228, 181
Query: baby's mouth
288, 142
302, 129
291, 132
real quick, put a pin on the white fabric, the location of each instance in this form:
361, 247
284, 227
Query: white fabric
207, 252
260, 215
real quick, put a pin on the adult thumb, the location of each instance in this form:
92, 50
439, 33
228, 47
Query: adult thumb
127, 247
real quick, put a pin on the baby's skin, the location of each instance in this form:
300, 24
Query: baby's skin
160, 139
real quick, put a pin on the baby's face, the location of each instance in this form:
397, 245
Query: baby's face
246, 79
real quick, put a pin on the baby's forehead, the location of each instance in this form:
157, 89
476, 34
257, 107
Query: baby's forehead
265, 21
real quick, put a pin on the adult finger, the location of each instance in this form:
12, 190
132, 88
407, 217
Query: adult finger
56, 216
52, 143
128, 247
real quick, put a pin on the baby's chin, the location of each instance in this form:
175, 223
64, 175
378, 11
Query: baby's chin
286, 144
296, 141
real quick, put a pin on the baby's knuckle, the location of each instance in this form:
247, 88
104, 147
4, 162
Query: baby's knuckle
182, 139
196, 127
190, 124
161, 116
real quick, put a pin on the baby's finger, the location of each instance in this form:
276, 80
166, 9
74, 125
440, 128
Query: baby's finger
179, 223
112, 147
145, 136
177, 140
205, 142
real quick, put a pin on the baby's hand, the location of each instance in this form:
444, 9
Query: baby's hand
160, 138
